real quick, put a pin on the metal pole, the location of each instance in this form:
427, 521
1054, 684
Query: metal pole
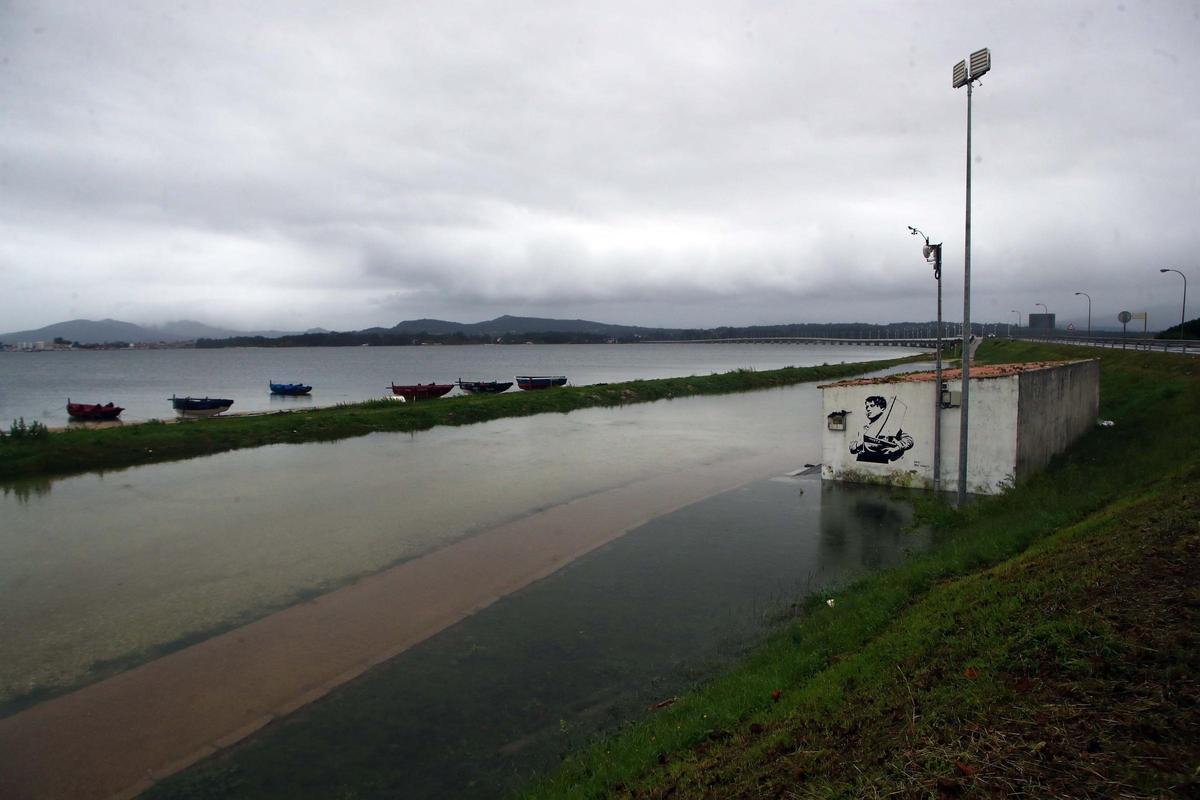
937, 389
1183, 309
966, 351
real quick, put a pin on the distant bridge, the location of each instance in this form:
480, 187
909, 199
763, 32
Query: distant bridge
919, 342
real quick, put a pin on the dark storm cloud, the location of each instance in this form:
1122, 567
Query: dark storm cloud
665, 163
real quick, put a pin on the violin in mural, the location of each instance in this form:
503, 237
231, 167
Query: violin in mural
882, 440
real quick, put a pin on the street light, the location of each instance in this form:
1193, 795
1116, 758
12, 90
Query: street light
965, 73
1018, 313
1046, 312
1183, 312
933, 254
1089, 297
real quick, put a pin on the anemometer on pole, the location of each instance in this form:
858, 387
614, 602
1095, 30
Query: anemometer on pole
933, 254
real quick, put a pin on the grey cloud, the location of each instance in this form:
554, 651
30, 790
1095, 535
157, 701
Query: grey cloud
356, 163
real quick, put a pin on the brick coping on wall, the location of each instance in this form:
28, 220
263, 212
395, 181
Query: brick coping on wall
980, 371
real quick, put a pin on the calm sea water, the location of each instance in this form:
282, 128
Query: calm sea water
35, 386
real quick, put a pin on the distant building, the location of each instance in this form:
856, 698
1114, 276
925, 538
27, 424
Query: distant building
880, 430
1041, 322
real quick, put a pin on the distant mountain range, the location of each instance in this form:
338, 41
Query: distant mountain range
516, 325
86, 331
410, 331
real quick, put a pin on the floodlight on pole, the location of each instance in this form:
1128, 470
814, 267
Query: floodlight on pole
965, 73
933, 254
1089, 298
1183, 311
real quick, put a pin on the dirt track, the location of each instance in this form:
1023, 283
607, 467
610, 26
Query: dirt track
117, 737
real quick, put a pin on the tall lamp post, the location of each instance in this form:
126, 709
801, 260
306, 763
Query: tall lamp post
933, 254
1089, 297
1183, 311
1018, 313
965, 73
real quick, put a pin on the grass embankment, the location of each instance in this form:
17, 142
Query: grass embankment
73, 451
1049, 650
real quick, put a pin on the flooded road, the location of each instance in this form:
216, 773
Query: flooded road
103, 569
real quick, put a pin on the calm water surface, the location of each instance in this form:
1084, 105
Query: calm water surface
474, 711
36, 386
99, 567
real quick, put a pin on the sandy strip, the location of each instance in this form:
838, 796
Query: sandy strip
117, 737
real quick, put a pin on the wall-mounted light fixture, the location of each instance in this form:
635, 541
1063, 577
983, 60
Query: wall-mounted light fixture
837, 420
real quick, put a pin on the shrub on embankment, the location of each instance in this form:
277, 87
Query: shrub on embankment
85, 449
1046, 649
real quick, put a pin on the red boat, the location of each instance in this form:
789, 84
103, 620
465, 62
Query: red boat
421, 391
93, 412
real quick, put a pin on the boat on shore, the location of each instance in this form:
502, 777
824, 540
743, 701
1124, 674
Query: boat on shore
200, 406
530, 382
421, 391
93, 411
289, 389
484, 387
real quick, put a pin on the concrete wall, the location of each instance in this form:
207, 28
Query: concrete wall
909, 415
992, 442
1057, 406
991, 438
1018, 422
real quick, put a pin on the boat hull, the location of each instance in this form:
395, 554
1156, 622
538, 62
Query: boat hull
93, 412
196, 407
290, 389
421, 391
533, 382
485, 387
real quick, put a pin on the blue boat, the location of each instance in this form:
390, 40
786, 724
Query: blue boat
291, 389
199, 406
528, 382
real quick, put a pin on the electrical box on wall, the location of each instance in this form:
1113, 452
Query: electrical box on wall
951, 398
837, 420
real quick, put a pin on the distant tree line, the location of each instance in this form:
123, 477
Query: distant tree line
1191, 330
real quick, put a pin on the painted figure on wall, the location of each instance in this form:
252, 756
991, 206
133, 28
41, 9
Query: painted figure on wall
882, 439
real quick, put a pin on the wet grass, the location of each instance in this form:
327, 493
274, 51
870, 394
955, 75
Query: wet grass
84, 450
1047, 650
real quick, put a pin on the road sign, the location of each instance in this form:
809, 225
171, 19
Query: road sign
1124, 317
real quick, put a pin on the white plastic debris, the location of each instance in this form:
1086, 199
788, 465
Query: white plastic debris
1106, 423
829, 602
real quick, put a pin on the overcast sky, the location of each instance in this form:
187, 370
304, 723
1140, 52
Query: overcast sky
295, 164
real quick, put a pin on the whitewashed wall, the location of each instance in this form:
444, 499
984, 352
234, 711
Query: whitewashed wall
1017, 423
